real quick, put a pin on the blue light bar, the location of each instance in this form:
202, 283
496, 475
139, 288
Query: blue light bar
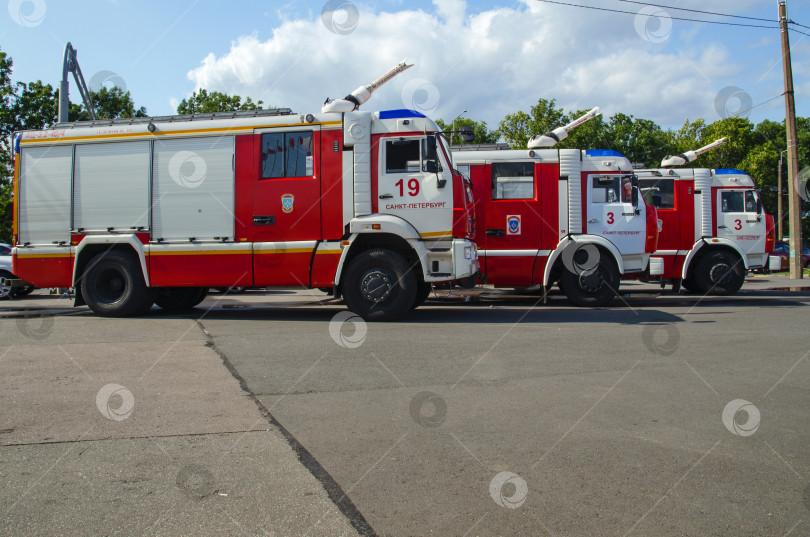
602, 153
400, 113
729, 171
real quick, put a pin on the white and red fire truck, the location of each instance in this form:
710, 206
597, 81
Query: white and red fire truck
558, 215
713, 228
156, 210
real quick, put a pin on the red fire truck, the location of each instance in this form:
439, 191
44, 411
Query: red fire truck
713, 229
143, 211
558, 215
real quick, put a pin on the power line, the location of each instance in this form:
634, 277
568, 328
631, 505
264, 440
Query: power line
738, 114
799, 32
698, 11
673, 18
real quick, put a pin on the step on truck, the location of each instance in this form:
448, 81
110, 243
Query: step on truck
566, 216
143, 211
713, 227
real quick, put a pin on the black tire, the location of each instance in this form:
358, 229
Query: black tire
5, 288
379, 286
690, 285
423, 290
592, 288
113, 285
22, 291
176, 299
719, 273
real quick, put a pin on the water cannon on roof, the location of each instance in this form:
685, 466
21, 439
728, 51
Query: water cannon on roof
671, 161
550, 139
362, 94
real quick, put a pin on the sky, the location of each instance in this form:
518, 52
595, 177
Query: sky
490, 58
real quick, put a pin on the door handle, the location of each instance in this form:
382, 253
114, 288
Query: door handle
721, 227
593, 220
495, 233
264, 220
386, 196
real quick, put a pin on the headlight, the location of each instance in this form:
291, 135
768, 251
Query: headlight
468, 251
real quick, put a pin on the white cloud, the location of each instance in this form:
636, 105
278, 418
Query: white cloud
491, 63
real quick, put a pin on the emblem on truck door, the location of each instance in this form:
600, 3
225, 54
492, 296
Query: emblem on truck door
287, 201
513, 224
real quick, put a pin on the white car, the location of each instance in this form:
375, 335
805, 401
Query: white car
6, 291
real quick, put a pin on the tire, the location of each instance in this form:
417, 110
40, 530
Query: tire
423, 290
379, 286
177, 299
719, 273
22, 291
593, 288
690, 285
5, 288
113, 285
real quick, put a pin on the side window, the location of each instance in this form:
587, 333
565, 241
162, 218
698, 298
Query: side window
287, 154
750, 202
627, 189
513, 181
606, 189
659, 193
402, 156
732, 202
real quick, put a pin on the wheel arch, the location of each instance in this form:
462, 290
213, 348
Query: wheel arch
703, 248
91, 246
554, 263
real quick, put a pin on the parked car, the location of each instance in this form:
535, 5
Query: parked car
6, 291
782, 250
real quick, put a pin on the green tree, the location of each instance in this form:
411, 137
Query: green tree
203, 102
34, 106
482, 134
517, 128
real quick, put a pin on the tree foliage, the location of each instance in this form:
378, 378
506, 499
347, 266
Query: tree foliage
482, 133
203, 102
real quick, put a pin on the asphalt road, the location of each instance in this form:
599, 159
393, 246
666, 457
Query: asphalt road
661, 415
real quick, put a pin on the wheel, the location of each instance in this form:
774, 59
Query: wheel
423, 290
176, 299
719, 273
113, 285
22, 291
689, 284
595, 287
5, 286
379, 286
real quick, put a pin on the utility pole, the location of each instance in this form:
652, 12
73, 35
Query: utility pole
780, 216
793, 157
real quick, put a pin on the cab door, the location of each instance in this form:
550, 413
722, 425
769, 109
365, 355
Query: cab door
286, 205
739, 218
512, 223
614, 213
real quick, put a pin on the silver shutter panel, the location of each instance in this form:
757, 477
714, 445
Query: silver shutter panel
45, 194
193, 189
111, 186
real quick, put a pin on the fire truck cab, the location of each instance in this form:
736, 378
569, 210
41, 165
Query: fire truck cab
559, 215
713, 228
133, 212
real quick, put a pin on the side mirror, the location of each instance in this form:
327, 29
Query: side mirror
759, 205
430, 148
656, 201
431, 166
467, 134
635, 197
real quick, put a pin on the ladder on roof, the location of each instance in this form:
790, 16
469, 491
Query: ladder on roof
480, 147
177, 118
